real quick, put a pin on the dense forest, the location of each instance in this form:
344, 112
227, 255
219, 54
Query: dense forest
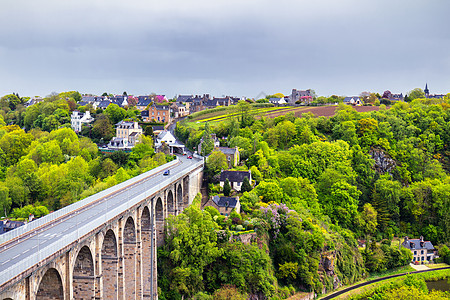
45, 165
320, 184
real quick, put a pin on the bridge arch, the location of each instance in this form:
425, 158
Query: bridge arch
146, 237
109, 258
179, 199
170, 203
186, 191
83, 275
159, 209
51, 286
129, 255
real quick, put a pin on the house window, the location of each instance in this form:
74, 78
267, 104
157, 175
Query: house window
415, 252
421, 252
423, 258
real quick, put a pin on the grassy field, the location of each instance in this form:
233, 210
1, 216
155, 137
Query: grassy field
435, 266
220, 114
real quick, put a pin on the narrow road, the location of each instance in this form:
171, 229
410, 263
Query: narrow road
338, 293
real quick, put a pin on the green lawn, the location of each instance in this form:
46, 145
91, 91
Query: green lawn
435, 266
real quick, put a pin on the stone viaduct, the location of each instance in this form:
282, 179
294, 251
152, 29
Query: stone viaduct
115, 260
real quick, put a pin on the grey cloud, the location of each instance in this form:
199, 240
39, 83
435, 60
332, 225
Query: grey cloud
223, 47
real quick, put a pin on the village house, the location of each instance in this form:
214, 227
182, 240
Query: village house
232, 155
143, 102
166, 138
179, 110
301, 96
127, 135
277, 101
215, 102
236, 178
159, 113
422, 251
8, 225
352, 101
77, 119
197, 103
224, 204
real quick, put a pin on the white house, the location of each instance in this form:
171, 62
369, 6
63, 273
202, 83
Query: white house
236, 178
77, 119
167, 138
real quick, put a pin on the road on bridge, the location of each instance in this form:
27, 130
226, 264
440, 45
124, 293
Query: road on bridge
14, 253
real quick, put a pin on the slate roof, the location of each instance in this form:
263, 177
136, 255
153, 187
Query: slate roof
144, 102
161, 107
134, 133
184, 98
145, 113
349, 99
417, 244
226, 150
234, 176
225, 201
158, 127
91, 99
83, 103
117, 142
104, 104
8, 225
125, 124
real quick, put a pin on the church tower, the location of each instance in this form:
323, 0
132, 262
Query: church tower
427, 92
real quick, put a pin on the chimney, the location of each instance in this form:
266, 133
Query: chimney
406, 240
421, 238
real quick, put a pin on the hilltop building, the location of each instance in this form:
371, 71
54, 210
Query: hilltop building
77, 119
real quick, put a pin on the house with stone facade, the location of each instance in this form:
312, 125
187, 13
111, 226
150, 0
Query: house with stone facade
159, 113
224, 204
232, 155
422, 251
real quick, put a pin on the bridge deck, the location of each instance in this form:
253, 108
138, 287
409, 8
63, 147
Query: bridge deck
30, 244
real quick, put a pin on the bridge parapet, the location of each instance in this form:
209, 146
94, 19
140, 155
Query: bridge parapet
87, 223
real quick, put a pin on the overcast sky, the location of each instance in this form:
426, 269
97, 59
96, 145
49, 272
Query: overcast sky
223, 47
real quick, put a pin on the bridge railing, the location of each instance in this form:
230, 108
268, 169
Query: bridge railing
77, 205
85, 227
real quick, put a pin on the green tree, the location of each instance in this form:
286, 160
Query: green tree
115, 113
5, 200
415, 94
269, 191
226, 188
216, 162
208, 142
246, 187
102, 128
369, 219
192, 244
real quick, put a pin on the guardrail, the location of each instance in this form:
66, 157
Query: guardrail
84, 227
77, 205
